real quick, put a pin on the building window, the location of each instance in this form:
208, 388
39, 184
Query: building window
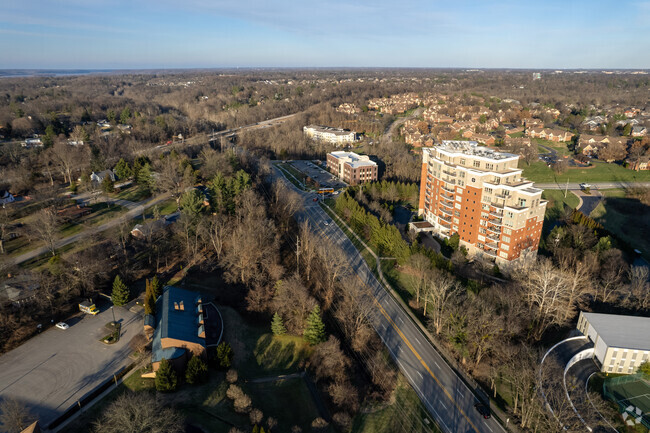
477, 164
506, 238
522, 202
462, 162
505, 247
507, 231
489, 166
504, 255
488, 190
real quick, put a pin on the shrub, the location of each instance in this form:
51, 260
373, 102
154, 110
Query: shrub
224, 356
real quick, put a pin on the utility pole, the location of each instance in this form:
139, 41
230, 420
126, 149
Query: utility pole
298, 255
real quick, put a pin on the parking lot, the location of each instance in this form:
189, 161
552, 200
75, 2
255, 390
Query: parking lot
53, 370
319, 173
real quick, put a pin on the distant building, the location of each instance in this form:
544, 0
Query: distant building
352, 168
19, 290
621, 343
479, 193
330, 135
537, 76
178, 327
32, 142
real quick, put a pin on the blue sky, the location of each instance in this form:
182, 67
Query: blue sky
329, 33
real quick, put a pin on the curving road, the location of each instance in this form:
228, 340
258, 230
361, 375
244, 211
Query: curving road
447, 398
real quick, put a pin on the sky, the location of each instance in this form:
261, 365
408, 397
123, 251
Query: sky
148, 34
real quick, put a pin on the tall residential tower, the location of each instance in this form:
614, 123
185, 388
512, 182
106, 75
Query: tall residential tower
479, 193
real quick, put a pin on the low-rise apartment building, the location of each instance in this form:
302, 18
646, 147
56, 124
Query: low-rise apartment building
330, 135
479, 193
621, 343
352, 168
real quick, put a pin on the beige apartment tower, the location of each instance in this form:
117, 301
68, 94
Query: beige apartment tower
479, 193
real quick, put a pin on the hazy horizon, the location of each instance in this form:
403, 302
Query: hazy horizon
202, 34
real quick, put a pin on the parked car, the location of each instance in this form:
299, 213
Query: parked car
483, 410
62, 325
585, 186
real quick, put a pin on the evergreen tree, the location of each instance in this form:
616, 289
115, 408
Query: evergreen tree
123, 170
156, 288
108, 185
149, 303
277, 327
315, 330
125, 115
145, 177
197, 371
166, 379
224, 356
120, 293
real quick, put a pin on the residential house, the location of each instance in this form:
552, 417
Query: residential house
639, 131
556, 135
642, 164
6, 197
100, 176
488, 140
18, 290
516, 141
32, 142
589, 145
348, 108
533, 123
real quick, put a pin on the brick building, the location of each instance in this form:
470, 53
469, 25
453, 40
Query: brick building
352, 168
479, 193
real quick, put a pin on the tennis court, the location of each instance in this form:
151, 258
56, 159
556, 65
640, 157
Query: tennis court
632, 395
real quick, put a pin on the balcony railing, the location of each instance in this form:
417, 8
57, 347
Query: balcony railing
489, 253
449, 173
444, 218
450, 190
448, 203
492, 245
493, 237
442, 209
494, 229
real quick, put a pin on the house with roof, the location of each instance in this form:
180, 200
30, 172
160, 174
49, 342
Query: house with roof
100, 176
556, 135
178, 328
6, 197
621, 343
589, 145
19, 291
641, 164
639, 131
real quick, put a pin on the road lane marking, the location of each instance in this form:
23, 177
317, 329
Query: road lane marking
419, 374
461, 394
417, 341
424, 364
443, 405
410, 346
488, 426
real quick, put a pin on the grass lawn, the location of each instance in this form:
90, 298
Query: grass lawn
405, 414
20, 244
599, 172
134, 193
517, 134
42, 260
166, 207
288, 175
628, 219
560, 148
557, 203
103, 212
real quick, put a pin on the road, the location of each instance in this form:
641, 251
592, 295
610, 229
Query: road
447, 398
53, 370
595, 185
133, 212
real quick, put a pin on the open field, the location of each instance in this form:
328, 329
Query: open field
627, 218
599, 172
558, 204
134, 193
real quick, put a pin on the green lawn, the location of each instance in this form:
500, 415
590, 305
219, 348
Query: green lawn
405, 414
561, 148
288, 175
20, 244
102, 212
627, 218
517, 134
166, 207
134, 193
557, 203
599, 172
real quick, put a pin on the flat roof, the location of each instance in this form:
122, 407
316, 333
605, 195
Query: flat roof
330, 130
626, 332
354, 159
473, 149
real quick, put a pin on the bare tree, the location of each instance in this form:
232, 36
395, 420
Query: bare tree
439, 293
293, 302
308, 248
46, 228
14, 416
138, 413
420, 266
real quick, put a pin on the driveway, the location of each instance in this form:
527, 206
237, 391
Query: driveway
53, 370
589, 201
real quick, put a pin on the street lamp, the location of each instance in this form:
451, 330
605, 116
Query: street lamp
113, 311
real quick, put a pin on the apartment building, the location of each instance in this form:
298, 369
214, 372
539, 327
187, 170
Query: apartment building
479, 193
352, 168
621, 343
330, 135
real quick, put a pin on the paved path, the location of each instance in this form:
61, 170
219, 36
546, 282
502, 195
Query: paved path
134, 212
595, 185
588, 202
445, 395
54, 369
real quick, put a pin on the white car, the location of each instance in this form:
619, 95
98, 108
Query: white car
62, 325
584, 186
